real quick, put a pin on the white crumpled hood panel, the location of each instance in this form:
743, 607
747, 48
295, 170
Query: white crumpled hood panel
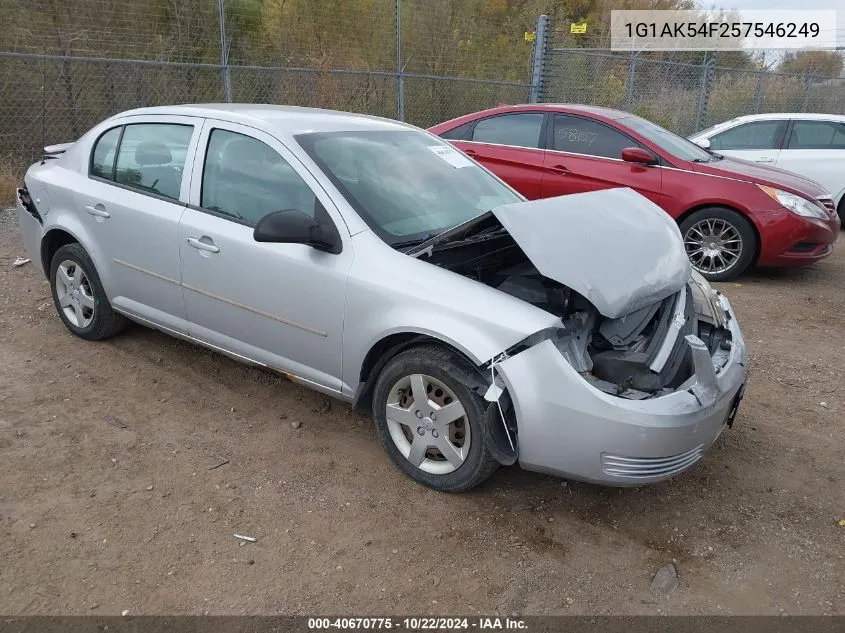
615, 247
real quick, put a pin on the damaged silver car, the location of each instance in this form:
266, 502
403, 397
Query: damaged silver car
371, 261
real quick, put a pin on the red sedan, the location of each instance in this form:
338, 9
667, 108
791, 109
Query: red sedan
731, 212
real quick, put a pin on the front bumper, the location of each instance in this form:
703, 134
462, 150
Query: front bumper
787, 239
569, 428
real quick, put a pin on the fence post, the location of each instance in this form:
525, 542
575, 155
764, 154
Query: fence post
400, 71
539, 58
629, 88
759, 91
707, 73
808, 88
224, 53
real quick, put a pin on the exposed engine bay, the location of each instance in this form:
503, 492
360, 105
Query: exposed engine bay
638, 355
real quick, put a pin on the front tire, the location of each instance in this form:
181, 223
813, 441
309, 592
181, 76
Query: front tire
430, 423
720, 243
79, 296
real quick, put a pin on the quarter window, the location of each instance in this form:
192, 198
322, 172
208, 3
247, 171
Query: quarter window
152, 157
817, 135
756, 135
102, 160
247, 179
520, 130
584, 136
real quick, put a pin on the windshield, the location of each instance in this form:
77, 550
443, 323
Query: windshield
406, 185
668, 141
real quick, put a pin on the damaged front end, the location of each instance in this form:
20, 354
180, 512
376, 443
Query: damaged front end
643, 343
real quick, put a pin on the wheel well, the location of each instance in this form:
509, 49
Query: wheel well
699, 207
381, 353
52, 242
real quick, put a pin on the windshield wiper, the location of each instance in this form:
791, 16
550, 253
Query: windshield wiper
414, 242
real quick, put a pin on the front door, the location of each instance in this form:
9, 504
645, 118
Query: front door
758, 141
281, 305
586, 155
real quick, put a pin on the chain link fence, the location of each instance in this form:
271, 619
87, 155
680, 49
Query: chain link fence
66, 65
681, 96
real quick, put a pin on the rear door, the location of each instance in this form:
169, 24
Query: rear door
816, 150
758, 141
510, 146
586, 155
136, 192
279, 304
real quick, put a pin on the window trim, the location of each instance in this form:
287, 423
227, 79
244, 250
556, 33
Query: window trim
779, 138
788, 135
550, 140
540, 138
113, 180
122, 127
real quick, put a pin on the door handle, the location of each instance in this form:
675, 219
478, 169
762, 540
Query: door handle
765, 159
97, 210
470, 152
561, 170
207, 245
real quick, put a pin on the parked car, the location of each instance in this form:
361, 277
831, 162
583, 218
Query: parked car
812, 145
732, 213
371, 261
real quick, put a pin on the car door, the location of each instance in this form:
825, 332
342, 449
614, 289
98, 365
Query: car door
132, 203
280, 305
816, 150
509, 145
586, 155
758, 141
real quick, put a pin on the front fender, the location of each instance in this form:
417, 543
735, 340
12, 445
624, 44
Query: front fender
391, 293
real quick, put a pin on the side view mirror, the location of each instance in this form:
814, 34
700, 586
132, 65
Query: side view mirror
638, 155
703, 143
290, 226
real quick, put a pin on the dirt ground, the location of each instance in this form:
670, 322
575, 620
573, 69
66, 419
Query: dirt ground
110, 499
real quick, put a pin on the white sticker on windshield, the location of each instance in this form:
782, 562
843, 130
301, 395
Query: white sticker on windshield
450, 155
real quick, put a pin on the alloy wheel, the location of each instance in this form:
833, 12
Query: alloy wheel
713, 245
74, 293
428, 424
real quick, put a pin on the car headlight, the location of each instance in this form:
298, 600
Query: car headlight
796, 204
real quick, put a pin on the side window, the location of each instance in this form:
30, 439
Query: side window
247, 179
457, 133
521, 130
583, 136
102, 158
817, 135
755, 135
152, 157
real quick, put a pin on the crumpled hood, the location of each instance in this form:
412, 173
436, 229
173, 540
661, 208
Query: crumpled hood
615, 247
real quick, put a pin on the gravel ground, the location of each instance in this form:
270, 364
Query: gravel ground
114, 495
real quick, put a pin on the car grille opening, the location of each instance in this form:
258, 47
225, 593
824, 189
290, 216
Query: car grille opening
649, 467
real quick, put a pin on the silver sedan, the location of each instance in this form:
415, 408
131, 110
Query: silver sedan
371, 261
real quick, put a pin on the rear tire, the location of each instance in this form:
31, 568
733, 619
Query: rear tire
841, 211
413, 435
79, 296
721, 243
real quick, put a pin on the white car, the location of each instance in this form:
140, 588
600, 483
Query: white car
812, 145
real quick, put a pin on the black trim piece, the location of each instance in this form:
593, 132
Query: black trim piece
221, 215
783, 134
144, 192
117, 153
